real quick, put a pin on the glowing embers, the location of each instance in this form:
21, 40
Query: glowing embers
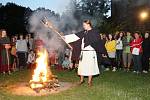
43, 77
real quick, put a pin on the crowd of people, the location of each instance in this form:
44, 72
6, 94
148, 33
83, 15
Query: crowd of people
127, 51
19, 52
124, 50
14, 52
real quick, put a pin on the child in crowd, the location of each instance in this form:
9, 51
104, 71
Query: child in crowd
31, 59
66, 63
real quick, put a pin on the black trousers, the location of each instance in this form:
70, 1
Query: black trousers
22, 57
113, 62
145, 62
119, 58
137, 61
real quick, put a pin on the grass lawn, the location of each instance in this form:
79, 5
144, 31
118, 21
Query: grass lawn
108, 86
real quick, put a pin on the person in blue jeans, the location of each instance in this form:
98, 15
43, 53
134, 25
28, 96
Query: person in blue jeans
136, 50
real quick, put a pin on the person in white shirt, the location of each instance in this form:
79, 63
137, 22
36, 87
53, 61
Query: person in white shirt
119, 50
22, 49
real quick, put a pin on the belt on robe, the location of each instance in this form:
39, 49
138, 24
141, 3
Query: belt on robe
87, 50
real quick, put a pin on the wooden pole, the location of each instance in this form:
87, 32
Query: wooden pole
50, 25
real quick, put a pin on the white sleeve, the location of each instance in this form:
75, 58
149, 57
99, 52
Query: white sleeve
17, 45
28, 60
71, 38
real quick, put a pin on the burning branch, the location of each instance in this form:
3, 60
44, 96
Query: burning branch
49, 24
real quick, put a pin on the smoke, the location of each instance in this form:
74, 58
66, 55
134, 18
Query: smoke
70, 23
65, 23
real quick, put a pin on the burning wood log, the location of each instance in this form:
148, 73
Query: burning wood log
43, 77
48, 85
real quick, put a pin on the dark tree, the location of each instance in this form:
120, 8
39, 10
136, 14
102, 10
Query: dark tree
95, 10
13, 18
125, 14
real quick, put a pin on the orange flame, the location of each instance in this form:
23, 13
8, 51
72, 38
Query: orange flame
41, 72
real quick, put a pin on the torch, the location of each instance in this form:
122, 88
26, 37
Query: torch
49, 24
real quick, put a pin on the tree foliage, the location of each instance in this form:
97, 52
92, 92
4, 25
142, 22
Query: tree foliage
95, 10
14, 18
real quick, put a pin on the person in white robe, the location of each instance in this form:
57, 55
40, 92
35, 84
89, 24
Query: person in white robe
88, 64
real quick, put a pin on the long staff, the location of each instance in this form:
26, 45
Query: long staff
49, 24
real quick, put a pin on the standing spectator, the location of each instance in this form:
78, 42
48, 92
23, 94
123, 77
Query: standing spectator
119, 49
28, 45
105, 62
27, 40
31, 46
13, 53
5, 52
146, 53
136, 50
52, 57
127, 56
22, 49
75, 55
104, 37
17, 60
16, 37
111, 50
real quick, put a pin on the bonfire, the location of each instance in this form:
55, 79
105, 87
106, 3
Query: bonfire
43, 77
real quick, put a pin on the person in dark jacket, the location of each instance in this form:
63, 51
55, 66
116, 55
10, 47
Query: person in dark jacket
75, 53
92, 50
146, 53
